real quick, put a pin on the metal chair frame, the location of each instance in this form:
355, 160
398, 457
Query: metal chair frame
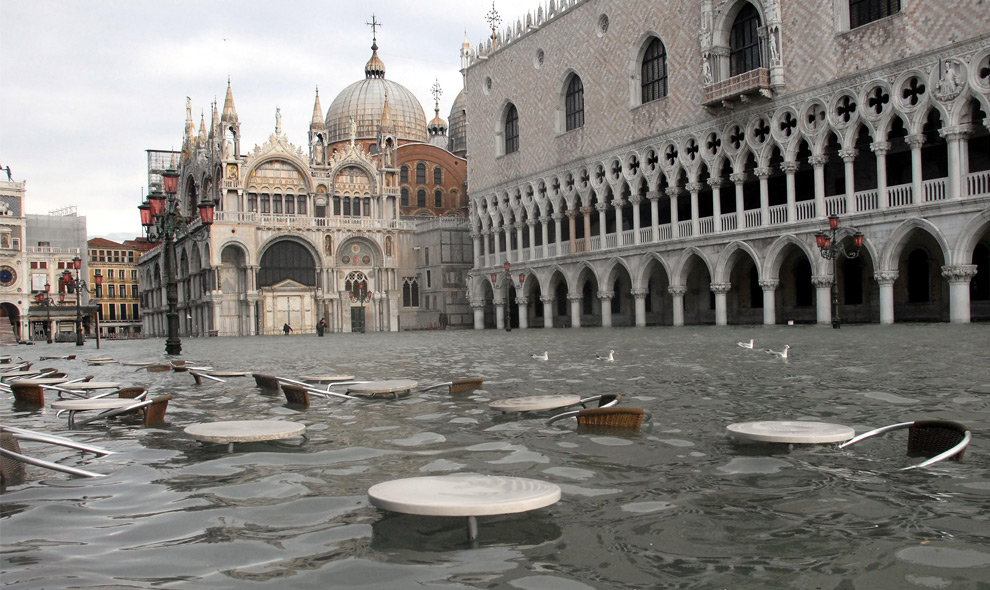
955, 452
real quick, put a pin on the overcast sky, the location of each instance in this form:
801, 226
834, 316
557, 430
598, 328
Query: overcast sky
89, 85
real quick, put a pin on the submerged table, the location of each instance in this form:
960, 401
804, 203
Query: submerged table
535, 402
81, 405
373, 388
92, 385
791, 432
326, 378
463, 494
244, 431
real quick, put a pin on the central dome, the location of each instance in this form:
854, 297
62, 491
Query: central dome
365, 102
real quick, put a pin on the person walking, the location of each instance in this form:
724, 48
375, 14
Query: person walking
321, 327
286, 328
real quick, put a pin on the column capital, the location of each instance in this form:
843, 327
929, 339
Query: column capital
557, 215
769, 284
960, 273
476, 304
572, 213
762, 172
915, 140
886, 277
677, 290
653, 195
547, 298
672, 191
956, 132
716, 182
586, 210
475, 235
639, 293
720, 288
738, 177
789, 167
694, 187
821, 281
531, 221
635, 199
818, 161
573, 298
880, 148
606, 295
545, 218
601, 207
848, 155
522, 300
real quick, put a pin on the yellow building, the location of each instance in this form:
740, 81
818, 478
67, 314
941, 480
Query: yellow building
116, 292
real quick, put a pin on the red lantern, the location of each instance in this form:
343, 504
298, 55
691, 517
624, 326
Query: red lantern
833, 221
522, 277
821, 239
77, 263
157, 201
48, 288
98, 278
494, 278
858, 239
145, 209
506, 266
39, 298
170, 180
61, 297
206, 209
66, 279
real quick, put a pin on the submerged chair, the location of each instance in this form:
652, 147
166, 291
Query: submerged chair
153, 410
607, 416
12, 460
266, 381
936, 440
28, 394
295, 394
457, 385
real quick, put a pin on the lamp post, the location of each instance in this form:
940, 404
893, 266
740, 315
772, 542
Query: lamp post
45, 299
831, 248
506, 278
379, 297
163, 221
98, 279
77, 285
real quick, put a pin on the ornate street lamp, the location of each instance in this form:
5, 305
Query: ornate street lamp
98, 279
831, 248
163, 221
75, 284
46, 300
359, 294
506, 278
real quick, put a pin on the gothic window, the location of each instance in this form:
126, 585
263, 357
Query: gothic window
404, 197
421, 173
862, 12
574, 104
437, 175
404, 174
410, 292
266, 205
438, 198
252, 202
287, 260
277, 204
744, 43
511, 129
301, 205
421, 198
336, 205
290, 205
347, 206
654, 71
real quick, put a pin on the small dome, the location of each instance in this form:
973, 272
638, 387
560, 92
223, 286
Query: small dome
458, 126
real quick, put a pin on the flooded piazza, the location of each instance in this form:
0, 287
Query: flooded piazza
678, 504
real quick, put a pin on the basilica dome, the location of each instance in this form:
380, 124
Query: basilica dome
458, 125
365, 101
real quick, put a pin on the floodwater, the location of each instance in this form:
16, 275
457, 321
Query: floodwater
676, 505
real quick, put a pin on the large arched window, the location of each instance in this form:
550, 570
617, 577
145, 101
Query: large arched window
511, 129
863, 12
421, 198
438, 198
574, 104
744, 42
437, 175
404, 174
654, 71
421, 173
404, 198
287, 260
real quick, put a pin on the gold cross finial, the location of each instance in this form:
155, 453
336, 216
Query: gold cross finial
374, 24
436, 90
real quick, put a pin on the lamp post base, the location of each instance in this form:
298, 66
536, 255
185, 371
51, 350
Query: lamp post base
173, 347
836, 324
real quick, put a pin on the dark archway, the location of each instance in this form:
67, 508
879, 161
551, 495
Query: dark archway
287, 260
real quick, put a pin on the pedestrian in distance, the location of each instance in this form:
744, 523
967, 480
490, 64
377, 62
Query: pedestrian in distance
286, 328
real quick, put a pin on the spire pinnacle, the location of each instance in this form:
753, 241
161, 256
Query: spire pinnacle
229, 112
374, 68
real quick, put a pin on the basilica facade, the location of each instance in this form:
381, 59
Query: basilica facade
642, 163
365, 227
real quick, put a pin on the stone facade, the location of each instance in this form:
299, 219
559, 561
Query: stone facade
701, 203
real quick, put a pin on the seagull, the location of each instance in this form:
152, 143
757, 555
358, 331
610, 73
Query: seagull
746, 344
782, 355
541, 357
608, 359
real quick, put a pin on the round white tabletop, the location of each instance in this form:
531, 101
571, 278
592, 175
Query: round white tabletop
463, 494
229, 373
326, 378
534, 402
18, 373
91, 385
382, 387
244, 430
791, 431
101, 403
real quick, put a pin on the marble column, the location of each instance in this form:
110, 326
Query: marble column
916, 141
654, 197
721, 312
959, 277
880, 149
572, 226
955, 138
769, 287
886, 279
672, 192
586, 215
823, 298
479, 314
520, 251
575, 301
818, 163
693, 189
635, 200
523, 306
606, 302
602, 224
557, 216
486, 238
716, 184
639, 298
677, 295
848, 159
789, 169
476, 242
763, 174
547, 301
738, 179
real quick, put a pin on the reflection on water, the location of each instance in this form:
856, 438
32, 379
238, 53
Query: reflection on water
676, 505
